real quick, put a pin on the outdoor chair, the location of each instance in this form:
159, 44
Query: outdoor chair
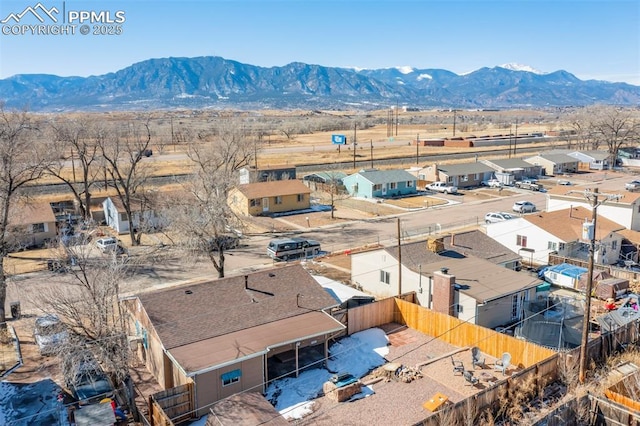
458, 366
476, 357
503, 363
469, 377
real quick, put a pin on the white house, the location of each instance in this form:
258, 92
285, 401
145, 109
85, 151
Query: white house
596, 160
537, 235
116, 217
624, 210
467, 287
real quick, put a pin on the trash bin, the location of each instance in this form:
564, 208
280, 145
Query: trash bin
15, 310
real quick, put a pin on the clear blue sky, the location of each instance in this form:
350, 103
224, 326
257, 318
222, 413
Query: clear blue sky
593, 39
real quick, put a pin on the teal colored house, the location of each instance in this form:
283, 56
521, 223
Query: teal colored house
373, 183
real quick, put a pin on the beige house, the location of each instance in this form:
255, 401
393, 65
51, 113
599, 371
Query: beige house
33, 224
447, 279
264, 198
234, 334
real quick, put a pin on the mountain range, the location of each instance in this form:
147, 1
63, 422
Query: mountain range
215, 82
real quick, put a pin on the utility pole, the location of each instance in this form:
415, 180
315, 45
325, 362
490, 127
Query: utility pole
417, 148
355, 125
397, 112
371, 145
515, 139
596, 201
454, 123
510, 139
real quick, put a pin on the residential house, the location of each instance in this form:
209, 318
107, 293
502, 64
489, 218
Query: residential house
250, 174
591, 160
446, 280
374, 183
623, 208
510, 170
324, 180
32, 223
630, 246
554, 164
464, 175
115, 215
265, 198
477, 243
233, 334
537, 235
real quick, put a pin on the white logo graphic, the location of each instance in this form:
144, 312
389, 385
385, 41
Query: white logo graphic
34, 11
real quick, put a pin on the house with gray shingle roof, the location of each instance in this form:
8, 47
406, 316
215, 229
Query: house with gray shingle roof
374, 183
554, 164
446, 278
462, 175
594, 160
234, 334
509, 170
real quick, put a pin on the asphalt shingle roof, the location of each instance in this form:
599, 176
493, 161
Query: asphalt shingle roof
386, 176
191, 313
567, 224
465, 168
273, 188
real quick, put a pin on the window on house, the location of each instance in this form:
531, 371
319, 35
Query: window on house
561, 246
460, 308
255, 202
377, 187
464, 178
231, 377
521, 240
409, 183
614, 245
385, 277
551, 245
476, 176
514, 306
124, 217
300, 198
278, 200
37, 227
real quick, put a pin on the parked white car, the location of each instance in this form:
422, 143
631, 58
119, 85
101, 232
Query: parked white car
632, 186
443, 187
492, 183
524, 207
106, 244
494, 217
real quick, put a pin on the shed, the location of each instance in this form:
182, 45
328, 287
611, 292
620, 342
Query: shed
564, 275
607, 288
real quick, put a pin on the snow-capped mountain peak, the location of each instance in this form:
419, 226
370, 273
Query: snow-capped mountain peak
405, 69
519, 67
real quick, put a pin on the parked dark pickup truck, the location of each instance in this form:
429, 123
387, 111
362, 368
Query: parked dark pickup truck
528, 184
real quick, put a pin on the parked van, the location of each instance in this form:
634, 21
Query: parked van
292, 248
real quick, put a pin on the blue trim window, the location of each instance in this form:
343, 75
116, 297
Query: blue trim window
231, 377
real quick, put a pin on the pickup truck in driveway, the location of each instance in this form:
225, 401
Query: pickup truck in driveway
528, 184
442, 187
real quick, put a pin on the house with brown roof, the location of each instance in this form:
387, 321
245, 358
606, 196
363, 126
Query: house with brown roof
265, 198
624, 208
446, 278
233, 334
537, 235
32, 224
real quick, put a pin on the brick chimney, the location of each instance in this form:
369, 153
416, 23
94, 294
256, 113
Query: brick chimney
443, 292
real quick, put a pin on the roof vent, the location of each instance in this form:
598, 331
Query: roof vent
271, 274
188, 292
444, 270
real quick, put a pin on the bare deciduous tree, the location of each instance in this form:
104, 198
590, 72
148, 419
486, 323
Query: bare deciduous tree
88, 306
123, 149
202, 216
616, 127
20, 164
74, 137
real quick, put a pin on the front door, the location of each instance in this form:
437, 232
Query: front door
265, 204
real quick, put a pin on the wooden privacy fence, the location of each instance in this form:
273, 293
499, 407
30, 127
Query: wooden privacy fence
539, 375
172, 406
